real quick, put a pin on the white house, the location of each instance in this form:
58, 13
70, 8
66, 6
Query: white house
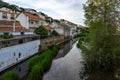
13, 27
7, 14
9, 24
61, 28
57, 27
72, 27
49, 29
30, 21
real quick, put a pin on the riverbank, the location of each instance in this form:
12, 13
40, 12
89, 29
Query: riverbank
66, 68
22, 67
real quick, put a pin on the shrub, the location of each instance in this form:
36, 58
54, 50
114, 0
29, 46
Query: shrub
55, 33
36, 73
6, 36
41, 63
35, 60
10, 76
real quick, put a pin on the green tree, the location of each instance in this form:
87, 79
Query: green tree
41, 31
55, 33
102, 19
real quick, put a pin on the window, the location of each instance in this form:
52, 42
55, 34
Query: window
22, 33
31, 22
4, 15
20, 41
36, 22
12, 16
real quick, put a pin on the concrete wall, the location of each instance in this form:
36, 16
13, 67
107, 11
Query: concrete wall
18, 33
0, 15
51, 41
14, 54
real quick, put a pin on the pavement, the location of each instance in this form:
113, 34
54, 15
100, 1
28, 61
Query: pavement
66, 68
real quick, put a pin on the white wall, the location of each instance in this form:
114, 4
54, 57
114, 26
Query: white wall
24, 20
8, 16
18, 33
60, 31
7, 57
54, 25
0, 15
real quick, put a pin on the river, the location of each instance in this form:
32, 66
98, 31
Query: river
22, 68
67, 65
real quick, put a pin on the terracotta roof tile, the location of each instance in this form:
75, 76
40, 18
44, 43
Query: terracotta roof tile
10, 12
33, 16
10, 23
48, 27
7, 26
10, 29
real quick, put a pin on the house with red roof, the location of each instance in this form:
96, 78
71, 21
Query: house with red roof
13, 27
9, 24
7, 14
49, 29
30, 21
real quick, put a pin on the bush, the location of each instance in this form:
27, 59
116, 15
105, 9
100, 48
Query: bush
10, 76
35, 60
36, 73
41, 63
55, 33
6, 36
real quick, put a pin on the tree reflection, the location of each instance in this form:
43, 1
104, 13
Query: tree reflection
86, 73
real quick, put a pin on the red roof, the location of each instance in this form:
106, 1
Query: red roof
7, 26
10, 12
33, 16
48, 27
10, 23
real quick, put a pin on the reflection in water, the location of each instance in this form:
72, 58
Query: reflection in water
65, 48
22, 68
87, 74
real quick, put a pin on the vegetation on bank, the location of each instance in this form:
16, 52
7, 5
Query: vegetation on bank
41, 63
10, 76
6, 36
101, 45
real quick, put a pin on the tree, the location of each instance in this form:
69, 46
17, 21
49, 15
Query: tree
102, 18
55, 33
41, 31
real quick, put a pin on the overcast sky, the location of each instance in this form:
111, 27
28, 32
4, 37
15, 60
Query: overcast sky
71, 10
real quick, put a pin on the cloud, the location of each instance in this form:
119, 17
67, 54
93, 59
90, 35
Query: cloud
71, 10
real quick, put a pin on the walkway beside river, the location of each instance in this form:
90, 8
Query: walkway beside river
66, 68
